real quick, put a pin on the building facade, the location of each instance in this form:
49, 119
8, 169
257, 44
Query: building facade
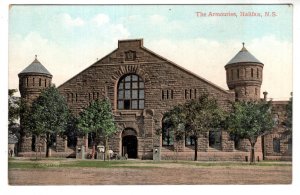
142, 86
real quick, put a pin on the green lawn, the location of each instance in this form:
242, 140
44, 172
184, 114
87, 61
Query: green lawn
48, 163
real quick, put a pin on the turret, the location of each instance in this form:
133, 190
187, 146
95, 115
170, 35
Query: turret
244, 74
33, 79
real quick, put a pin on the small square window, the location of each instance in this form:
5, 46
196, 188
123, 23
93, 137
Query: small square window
127, 85
134, 94
127, 78
120, 105
126, 104
127, 94
134, 85
134, 78
134, 104
141, 104
120, 96
141, 84
141, 95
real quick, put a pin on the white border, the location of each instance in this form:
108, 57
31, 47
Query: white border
209, 189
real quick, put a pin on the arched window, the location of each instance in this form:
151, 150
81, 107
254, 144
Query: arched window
131, 93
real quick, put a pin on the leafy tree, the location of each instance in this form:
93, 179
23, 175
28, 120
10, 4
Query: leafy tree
289, 113
48, 116
174, 121
13, 108
72, 131
98, 119
194, 118
201, 115
249, 120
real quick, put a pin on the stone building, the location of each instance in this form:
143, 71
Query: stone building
141, 86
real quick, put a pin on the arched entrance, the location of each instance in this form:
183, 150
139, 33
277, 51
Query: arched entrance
129, 143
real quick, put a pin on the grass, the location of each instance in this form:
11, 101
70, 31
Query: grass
33, 164
50, 163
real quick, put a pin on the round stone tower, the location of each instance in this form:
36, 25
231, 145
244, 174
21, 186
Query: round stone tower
244, 74
33, 79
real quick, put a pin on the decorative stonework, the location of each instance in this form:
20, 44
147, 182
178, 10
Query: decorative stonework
130, 69
130, 55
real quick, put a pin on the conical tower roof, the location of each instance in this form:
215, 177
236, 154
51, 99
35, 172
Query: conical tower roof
35, 67
243, 56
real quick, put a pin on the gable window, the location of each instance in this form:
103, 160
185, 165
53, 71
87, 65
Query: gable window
131, 93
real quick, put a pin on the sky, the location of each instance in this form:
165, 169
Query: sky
69, 38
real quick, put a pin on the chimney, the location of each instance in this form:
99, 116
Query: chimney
265, 95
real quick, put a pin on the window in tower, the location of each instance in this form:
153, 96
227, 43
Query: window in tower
252, 72
238, 73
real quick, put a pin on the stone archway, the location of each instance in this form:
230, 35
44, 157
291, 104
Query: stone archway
129, 143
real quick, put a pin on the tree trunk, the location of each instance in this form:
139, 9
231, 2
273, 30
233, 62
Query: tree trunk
93, 151
86, 141
106, 149
47, 144
196, 149
252, 155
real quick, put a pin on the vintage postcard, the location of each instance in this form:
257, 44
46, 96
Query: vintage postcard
150, 94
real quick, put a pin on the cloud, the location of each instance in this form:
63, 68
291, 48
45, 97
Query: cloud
69, 21
101, 19
157, 19
207, 59
204, 57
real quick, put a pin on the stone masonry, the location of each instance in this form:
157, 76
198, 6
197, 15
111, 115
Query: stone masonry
132, 69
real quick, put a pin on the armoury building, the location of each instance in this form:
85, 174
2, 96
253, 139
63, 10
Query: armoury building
141, 86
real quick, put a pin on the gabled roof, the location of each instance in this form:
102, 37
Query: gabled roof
243, 56
35, 67
139, 43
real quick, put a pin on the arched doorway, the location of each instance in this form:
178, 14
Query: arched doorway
129, 143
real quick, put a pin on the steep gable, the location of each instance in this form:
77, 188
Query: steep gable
132, 51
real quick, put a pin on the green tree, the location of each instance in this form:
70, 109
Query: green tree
98, 119
201, 115
13, 108
289, 113
174, 121
48, 117
249, 120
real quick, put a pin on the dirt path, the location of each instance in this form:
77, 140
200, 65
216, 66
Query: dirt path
160, 175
